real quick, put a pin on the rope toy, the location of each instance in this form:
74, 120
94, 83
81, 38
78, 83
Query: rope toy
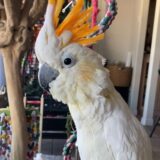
95, 12
106, 21
68, 147
110, 15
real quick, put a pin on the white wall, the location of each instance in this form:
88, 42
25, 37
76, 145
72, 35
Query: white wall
118, 38
127, 34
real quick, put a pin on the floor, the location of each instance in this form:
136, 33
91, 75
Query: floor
156, 144
54, 147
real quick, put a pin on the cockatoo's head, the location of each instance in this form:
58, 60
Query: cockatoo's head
76, 75
69, 70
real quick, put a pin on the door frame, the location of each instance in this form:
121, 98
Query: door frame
152, 80
139, 32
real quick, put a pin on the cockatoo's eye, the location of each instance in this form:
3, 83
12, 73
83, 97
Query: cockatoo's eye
68, 61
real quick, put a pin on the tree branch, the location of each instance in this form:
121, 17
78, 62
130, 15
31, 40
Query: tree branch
1, 4
11, 13
6, 34
26, 9
12, 10
37, 10
22, 35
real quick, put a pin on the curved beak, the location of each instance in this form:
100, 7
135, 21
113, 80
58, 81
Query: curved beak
46, 75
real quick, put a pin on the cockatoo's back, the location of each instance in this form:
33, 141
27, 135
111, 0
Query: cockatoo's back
74, 74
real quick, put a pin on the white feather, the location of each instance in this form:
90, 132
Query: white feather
47, 44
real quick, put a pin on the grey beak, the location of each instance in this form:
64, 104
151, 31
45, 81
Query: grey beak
46, 75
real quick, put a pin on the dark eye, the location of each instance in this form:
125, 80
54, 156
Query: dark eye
67, 61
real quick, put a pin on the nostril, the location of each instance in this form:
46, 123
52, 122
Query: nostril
53, 78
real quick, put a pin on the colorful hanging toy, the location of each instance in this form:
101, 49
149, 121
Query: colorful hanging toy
95, 12
68, 147
108, 18
110, 15
32, 114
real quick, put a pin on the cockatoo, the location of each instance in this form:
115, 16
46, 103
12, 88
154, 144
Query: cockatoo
74, 75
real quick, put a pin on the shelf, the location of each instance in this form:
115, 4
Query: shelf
55, 118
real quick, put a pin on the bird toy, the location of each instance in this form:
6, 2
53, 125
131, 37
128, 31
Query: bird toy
109, 16
106, 21
95, 12
68, 147
32, 114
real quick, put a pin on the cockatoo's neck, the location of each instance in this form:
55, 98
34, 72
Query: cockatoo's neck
91, 109
88, 94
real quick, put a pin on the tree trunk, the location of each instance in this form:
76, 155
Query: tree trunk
17, 18
15, 96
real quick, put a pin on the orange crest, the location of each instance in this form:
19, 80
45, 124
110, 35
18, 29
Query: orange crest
78, 22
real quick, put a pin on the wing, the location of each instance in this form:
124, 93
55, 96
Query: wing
124, 134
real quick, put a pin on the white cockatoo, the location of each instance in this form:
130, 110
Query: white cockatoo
74, 74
